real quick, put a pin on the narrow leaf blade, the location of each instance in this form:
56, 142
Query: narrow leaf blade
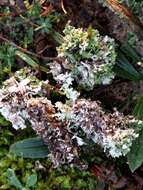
30, 61
138, 110
27, 59
135, 156
124, 69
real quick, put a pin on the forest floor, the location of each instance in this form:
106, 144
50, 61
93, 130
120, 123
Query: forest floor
31, 29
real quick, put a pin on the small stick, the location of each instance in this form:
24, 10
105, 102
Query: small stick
63, 8
25, 50
119, 7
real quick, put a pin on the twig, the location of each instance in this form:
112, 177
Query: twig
120, 8
63, 8
25, 50
18, 47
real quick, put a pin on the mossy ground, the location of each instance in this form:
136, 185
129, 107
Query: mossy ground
48, 178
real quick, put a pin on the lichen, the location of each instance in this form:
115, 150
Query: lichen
15, 94
87, 56
112, 131
23, 99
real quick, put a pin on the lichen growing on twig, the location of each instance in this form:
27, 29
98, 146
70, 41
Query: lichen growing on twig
23, 100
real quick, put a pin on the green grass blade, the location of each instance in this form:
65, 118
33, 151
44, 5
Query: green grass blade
125, 70
138, 110
30, 61
135, 156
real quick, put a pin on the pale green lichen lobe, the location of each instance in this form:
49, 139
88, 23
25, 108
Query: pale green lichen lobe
89, 57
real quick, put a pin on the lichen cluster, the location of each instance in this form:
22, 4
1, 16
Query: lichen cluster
87, 57
23, 100
15, 96
110, 130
